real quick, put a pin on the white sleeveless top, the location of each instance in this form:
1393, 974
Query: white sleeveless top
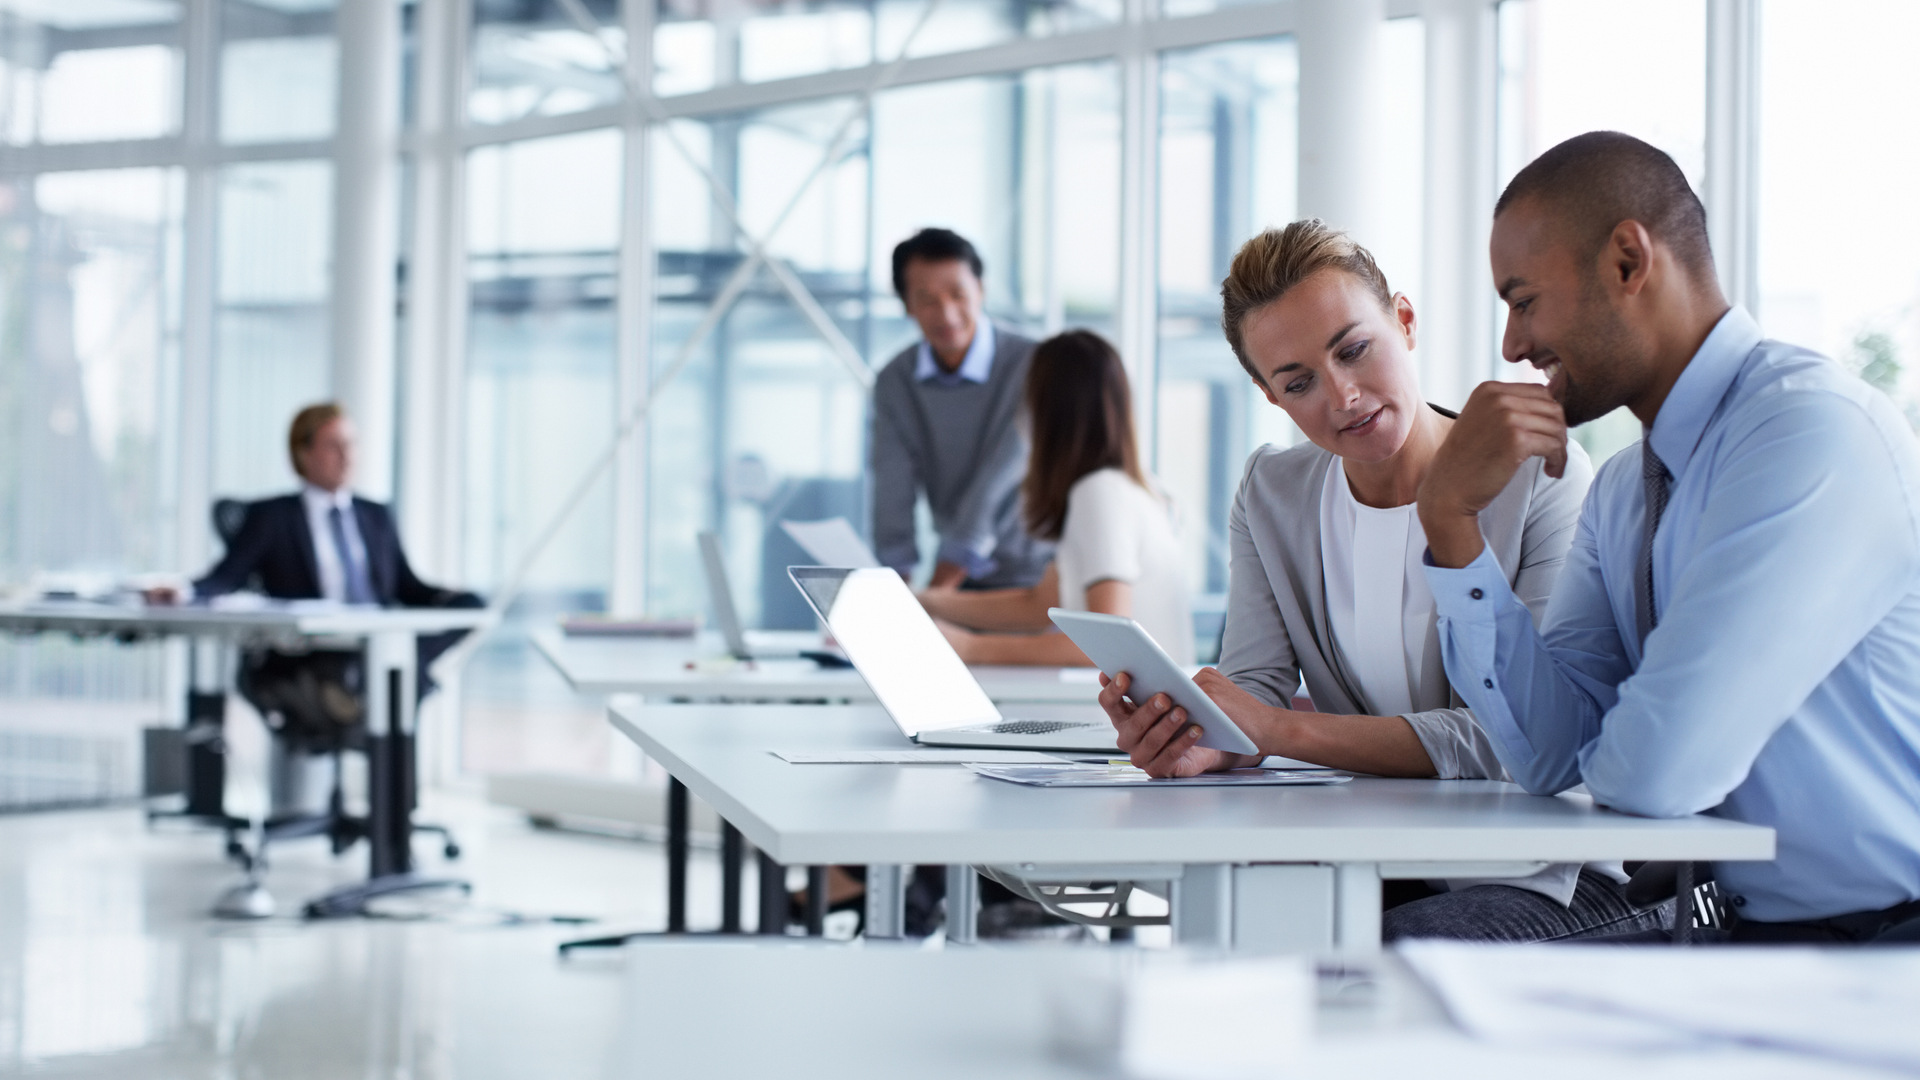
1374, 579
1116, 530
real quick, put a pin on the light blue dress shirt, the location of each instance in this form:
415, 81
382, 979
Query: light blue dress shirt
1781, 685
975, 367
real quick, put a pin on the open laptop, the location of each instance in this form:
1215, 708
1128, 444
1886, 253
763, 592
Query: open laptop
917, 676
739, 645
720, 592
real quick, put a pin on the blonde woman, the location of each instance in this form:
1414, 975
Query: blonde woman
1326, 585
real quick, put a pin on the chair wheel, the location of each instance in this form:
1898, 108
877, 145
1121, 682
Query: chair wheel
452, 851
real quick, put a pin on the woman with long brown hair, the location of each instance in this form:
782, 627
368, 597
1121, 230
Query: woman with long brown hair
1085, 489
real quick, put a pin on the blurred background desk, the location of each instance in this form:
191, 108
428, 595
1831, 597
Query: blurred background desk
386, 634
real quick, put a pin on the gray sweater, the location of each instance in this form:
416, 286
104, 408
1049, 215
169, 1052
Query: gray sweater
962, 446
1277, 630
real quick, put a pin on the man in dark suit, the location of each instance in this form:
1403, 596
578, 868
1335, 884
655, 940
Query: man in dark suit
322, 543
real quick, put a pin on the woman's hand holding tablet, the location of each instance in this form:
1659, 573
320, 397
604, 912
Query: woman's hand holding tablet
1171, 727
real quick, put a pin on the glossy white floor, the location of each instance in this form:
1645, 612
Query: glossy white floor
110, 965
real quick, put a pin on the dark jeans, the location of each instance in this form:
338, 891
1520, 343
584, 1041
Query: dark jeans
1897, 925
1507, 914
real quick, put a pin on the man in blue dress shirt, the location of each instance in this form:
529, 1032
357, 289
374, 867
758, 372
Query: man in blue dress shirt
1737, 628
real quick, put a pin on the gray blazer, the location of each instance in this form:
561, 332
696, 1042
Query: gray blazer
1277, 630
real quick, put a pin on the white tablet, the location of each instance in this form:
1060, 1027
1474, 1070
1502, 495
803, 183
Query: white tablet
1119, 644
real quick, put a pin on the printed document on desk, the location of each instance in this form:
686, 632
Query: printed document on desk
832, 543
1845, 1005
917, 757
1090, 775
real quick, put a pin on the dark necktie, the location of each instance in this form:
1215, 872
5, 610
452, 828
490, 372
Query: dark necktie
1654, 475
359, 589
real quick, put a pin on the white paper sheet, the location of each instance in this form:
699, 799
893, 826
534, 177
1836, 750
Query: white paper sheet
916, 757
1119, 774
832, 542
1855, 1005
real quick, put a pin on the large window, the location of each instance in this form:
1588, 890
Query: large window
1227, 152
699, 44
542, 227
89, 70
770, 420
271, 338
1571, 66
279, 70
1839, 229
543, 58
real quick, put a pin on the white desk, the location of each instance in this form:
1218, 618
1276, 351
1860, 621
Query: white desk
995, 1012
386, 634
694, 669
1237, 859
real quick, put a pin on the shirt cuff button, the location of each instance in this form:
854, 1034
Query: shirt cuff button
1488, 683
1478, 594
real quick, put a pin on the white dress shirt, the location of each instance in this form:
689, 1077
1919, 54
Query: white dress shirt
333, 576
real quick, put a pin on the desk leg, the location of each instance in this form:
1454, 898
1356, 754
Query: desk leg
816, 901
963, 905
886, 916
390, 667
678, 810
773, 896
1356, 914
732, 869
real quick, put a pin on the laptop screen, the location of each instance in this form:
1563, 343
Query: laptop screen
896, 648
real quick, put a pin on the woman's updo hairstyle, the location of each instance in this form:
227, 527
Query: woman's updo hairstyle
1277, 260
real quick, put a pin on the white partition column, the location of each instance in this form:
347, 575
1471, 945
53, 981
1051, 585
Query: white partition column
1340, 153
365, 241
1456, 318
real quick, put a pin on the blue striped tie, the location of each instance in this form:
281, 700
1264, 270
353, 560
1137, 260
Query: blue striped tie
359, 589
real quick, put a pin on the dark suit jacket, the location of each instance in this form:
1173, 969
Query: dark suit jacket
273, 552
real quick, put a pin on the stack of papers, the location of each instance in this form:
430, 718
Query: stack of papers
1123, 775
1855, 1006
914, 757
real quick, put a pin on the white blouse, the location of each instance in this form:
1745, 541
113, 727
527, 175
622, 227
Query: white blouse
1374, 578
1116, 530
1372, 560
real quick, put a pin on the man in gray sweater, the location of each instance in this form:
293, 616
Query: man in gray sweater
945, 422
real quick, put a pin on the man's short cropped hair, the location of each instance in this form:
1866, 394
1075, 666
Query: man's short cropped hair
933, 245
1593, 182
306, 424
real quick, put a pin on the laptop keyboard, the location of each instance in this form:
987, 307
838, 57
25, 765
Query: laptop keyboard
1034, 727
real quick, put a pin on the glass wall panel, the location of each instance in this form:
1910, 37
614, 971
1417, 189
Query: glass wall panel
279, 70
271, 337
89, 337
89, 387
86, 70
699, 44
1228, 144
1571, 66
540, 58
1839, 227
542, 231
768, 422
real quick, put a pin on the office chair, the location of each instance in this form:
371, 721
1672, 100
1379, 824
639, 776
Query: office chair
313, 704
1699, 907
